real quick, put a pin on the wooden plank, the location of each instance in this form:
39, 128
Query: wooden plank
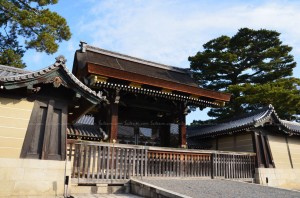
121, 163
117, 163
130, 165
146, 163
48, 126
103, 164
137, 162
99, 159
75, 161
94, 161
89, 156
80, 161
142, 162
107, 157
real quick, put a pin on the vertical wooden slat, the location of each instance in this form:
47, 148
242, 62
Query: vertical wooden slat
75, 160
89, 156
84, 161
121, 163
103, 164
134, 163
117, 153
94, 162
142, 162
126, 164
107, 162
79, 165
98, 149
146, 162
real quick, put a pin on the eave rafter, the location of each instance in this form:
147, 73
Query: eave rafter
103, 73
191, 100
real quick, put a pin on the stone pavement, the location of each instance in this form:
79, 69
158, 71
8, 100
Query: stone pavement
214, 188
107, 196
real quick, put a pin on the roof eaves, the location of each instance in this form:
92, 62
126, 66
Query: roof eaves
59, 65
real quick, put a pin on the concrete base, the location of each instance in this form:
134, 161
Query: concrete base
29, 177
99, 189
282, 178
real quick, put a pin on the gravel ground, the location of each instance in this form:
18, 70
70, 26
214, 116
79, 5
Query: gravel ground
209, 188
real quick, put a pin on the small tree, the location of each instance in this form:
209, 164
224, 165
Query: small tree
249, 58
40, 29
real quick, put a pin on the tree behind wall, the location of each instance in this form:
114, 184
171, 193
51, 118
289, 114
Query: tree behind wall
250, 57
30, 21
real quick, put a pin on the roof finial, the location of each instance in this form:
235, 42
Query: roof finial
82, 46
61, 59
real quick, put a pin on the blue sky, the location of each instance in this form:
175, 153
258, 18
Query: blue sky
167, 31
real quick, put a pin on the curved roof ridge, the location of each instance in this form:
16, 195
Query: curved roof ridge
237, 123
293, 126
59, 64
247, 121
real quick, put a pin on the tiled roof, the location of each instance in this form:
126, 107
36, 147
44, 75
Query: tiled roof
11, 71
251, 120
134, 65
20, 77
84, 132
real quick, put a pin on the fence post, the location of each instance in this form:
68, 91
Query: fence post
212, 167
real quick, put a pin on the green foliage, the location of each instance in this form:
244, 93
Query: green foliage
283, 94
40, 29
249, 58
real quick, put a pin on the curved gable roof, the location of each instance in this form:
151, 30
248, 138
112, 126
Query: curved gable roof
21, 78
247, 121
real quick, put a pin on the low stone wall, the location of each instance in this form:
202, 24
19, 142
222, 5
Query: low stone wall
283, 178
29, 177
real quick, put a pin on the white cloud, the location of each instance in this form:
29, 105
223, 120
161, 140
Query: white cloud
169, 31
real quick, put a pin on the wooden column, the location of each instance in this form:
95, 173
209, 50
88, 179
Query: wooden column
182, 126
257, 150
113, 113
114, 122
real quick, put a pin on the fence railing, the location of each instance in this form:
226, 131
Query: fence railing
114, 163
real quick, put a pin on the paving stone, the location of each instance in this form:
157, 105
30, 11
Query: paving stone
213, 188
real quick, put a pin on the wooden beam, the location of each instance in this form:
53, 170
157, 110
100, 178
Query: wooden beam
270, 151
266, 156
142, 79
289, 152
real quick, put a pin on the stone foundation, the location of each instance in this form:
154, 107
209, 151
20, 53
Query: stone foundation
283, 178
29, 177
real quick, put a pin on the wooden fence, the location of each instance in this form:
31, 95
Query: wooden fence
116, 163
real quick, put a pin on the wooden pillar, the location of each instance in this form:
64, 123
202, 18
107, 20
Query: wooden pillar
257, 150
182, 126
113, 115
114, 122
